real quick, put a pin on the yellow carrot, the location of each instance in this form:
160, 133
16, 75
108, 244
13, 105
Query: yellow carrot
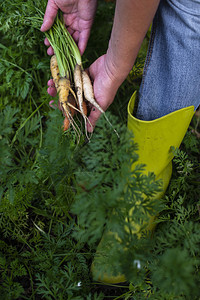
54, 70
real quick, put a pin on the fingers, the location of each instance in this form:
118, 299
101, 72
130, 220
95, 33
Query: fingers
80, 31
51, 91
83, 39
50, 14
93, 118
46, 42
50, 49
51, 88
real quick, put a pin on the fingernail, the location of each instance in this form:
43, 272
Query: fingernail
42, 28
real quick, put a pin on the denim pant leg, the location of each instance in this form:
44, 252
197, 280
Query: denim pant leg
171, 77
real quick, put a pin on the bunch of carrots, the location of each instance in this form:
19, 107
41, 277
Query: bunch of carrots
72, 82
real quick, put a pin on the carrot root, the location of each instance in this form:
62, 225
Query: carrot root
89, 96
78, 80
54, 70
70, 101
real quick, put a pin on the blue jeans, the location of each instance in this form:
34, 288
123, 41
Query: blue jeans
171, 77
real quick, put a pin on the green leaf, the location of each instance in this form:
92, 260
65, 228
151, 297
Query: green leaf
9, 74
24, 88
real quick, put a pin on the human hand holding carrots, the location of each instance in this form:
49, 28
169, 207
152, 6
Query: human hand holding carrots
131, 22
105, 86
78, 17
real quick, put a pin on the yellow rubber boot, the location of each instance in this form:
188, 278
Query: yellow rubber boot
155, 139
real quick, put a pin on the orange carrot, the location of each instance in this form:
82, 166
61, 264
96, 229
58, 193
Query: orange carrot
71, 110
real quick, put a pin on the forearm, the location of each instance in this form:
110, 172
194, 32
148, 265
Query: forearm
131, 22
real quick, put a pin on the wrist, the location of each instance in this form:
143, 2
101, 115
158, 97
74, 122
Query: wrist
118, 65
114, 71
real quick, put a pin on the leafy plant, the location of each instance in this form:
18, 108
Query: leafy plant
57, 198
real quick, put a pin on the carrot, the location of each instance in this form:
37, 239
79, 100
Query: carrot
88, 91
78, 81
85, 108
66, 123
66, 67
63, 90
54, 70
72, 101
79, 86
62, 85
89, 96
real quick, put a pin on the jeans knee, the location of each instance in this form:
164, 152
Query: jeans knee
191, 7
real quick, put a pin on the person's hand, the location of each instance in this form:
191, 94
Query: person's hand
105, 84
78, 17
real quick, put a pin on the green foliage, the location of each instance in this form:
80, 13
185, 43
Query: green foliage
176, 241
57, 198
23, 75
17, 152
108, 191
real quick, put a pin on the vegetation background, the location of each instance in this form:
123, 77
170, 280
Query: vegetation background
51, 217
